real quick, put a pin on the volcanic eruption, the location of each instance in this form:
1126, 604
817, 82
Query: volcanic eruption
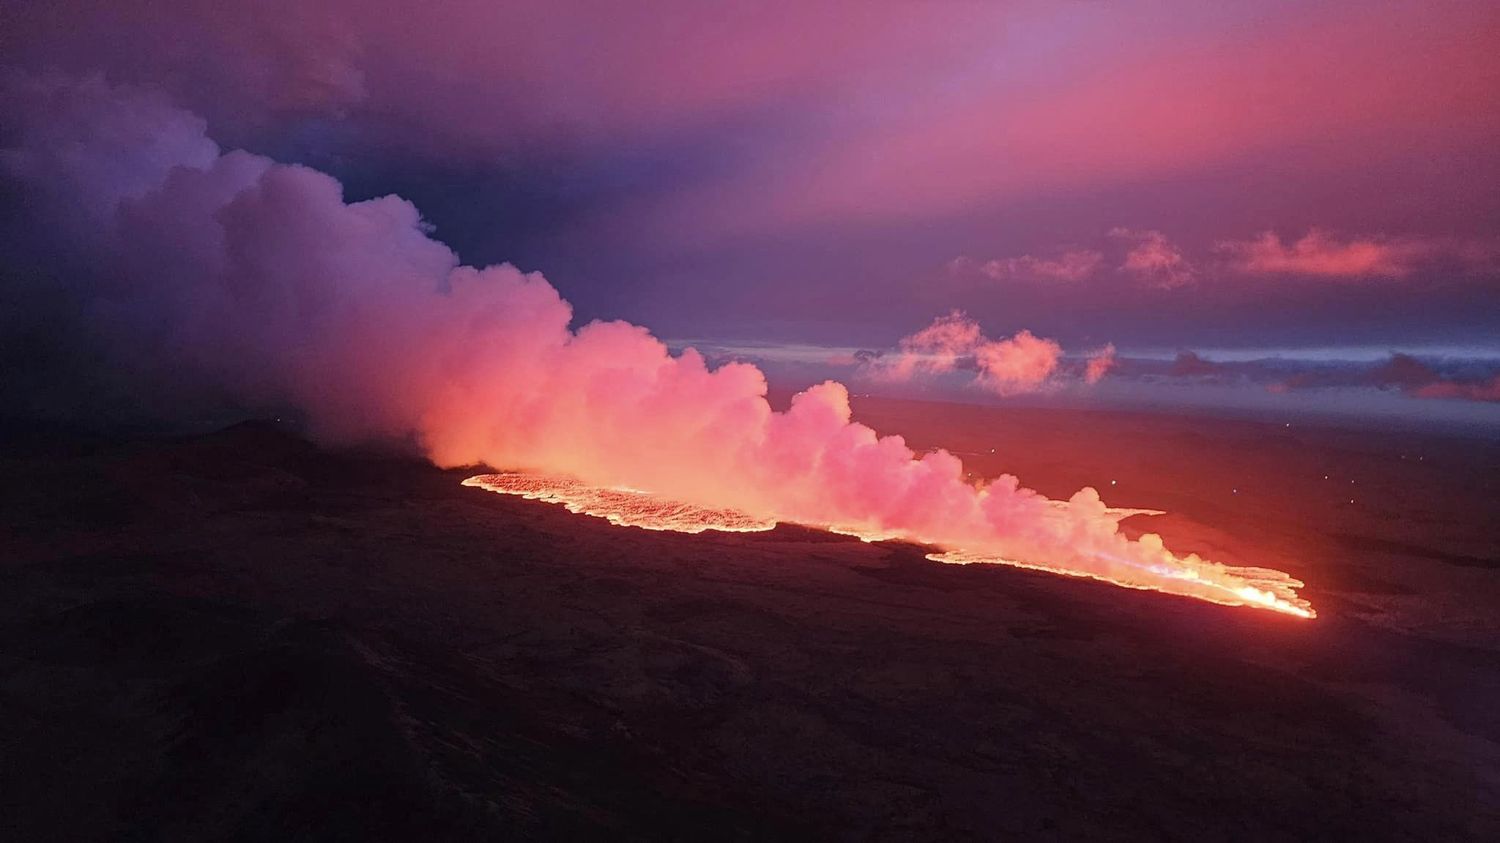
207, 277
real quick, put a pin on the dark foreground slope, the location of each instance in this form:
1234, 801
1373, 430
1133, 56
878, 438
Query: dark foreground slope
240, 636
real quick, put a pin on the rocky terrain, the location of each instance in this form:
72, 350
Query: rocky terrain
242, 636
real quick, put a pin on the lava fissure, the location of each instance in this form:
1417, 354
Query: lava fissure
257, 284
1260, 588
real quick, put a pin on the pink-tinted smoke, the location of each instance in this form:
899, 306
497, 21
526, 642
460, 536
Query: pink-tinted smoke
257, 280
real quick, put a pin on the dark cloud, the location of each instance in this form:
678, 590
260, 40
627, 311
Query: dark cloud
1188, 364
1448, 379
1471, 379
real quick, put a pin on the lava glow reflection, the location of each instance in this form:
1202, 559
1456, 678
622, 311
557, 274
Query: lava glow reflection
1260, 588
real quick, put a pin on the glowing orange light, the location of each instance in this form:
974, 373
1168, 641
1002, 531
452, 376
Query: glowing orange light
621, 507
1259, 588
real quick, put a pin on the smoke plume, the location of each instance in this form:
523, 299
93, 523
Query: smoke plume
213, 275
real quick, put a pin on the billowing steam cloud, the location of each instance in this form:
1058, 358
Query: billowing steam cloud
254, 281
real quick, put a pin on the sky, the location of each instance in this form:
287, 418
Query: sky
1226, 194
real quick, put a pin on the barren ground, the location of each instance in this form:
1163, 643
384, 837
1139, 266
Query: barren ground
242, 636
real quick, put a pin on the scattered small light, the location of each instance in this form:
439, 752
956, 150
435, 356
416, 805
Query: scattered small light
1113, 482
1235, 491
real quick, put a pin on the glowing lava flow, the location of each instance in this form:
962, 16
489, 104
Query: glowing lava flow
621, 507
1260, 588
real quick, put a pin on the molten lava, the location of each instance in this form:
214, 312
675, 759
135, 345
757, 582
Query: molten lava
621, 507
1260, 588
1190, 576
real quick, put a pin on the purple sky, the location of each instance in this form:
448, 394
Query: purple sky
1163, 176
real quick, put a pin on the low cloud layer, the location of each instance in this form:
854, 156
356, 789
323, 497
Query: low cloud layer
1457, 379
1099, 364
1147, 258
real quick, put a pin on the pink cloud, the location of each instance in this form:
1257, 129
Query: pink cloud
1154, 260
935, 349
1099, 364
1320, 254
1068, 267
1021, 363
